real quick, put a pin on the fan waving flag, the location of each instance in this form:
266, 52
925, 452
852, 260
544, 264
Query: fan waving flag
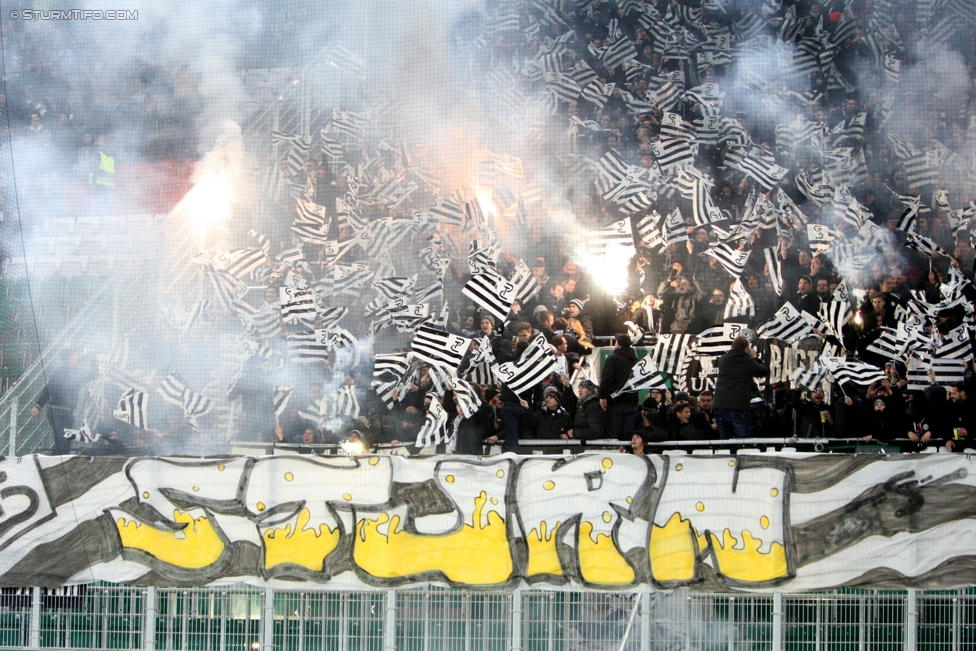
643, 376
538, 362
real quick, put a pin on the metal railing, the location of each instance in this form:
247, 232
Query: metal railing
243, 618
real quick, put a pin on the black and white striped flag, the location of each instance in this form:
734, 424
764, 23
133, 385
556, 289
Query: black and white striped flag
439, 347
394, 288
538, 362
281, 397
717, 340
434, 431
643, 376
308, 348
297, 305
82, 435
845, 370
787, 324
491, 291
133, 408
810, 378
670, 352
836, 314
468, 401
774, 268
924, 245
526, 285
346, 404
765, 173
740, 302
732, 260
947, 372
956, 344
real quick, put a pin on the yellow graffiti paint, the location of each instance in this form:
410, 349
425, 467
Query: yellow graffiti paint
764, 522
289, 476
607, 463
543, 557
195, 547
774, 492
599, 560
747, 563
549, 485
672, 550
304, 547
460, 555
374, 460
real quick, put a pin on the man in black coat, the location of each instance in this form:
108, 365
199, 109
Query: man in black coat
734, 388
590, 419
622, 410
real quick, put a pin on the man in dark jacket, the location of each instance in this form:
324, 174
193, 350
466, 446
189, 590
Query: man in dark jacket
734, 388
590, 421
622, 410
578, 312
552, 421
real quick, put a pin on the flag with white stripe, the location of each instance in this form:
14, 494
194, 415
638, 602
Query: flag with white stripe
643, 376
491, 291
788, 324
434, 431
439, 347
133, 408
537, 363
740, 303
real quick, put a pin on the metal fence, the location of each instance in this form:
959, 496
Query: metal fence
244, 618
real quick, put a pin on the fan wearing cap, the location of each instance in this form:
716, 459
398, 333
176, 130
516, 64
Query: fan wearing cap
590, 418
552, 421
578, 312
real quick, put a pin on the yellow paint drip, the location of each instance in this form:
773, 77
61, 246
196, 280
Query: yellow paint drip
305, 547
672, 550
543, 557
600, 562
460, 555
194, 548
747, 563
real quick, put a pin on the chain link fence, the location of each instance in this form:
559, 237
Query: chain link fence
244, 618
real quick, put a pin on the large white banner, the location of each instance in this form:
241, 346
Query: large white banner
598, 521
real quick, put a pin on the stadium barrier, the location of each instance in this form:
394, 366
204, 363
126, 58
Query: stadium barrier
243, 618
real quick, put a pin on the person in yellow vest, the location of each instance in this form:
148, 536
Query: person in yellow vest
104, 175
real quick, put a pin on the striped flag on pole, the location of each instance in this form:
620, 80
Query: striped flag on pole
537, 363
846, 370
491, 291
439, 347
732, 260
643, 376
774, 267
788, 324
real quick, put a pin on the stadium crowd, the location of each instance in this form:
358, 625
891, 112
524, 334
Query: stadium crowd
836, 170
